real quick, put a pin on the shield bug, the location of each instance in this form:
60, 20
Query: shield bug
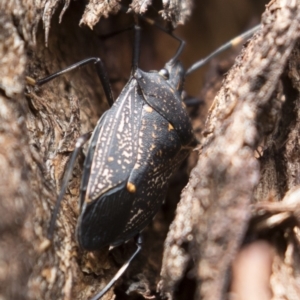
133, 151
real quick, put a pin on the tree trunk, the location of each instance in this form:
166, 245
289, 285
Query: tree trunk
244, 186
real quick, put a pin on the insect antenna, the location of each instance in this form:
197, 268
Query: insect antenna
231, 44
136, 48
170, 33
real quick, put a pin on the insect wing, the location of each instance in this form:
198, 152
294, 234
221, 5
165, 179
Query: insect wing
102, 220
116, 144
110, 159
159, 153
88, 160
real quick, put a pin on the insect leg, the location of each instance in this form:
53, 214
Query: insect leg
79, 143
100, 69
139, 242
192, 101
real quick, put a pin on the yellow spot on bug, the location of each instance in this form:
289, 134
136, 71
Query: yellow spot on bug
170, 127
148, 109
110, 159
131, 188
159, 153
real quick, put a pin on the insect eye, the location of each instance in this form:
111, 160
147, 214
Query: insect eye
164, 73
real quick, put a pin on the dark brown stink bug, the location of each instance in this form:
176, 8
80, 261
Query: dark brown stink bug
133, 151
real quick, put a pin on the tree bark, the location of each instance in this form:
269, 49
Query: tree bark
245, 163
247, 169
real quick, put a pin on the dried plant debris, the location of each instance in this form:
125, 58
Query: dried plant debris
215, 207
280, 223
177, 11
97, 9
271, 213
174, 11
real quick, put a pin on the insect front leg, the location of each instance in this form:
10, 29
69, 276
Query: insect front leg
100, 69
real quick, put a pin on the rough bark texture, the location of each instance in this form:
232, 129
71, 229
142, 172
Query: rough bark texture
243, 189
215, 208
